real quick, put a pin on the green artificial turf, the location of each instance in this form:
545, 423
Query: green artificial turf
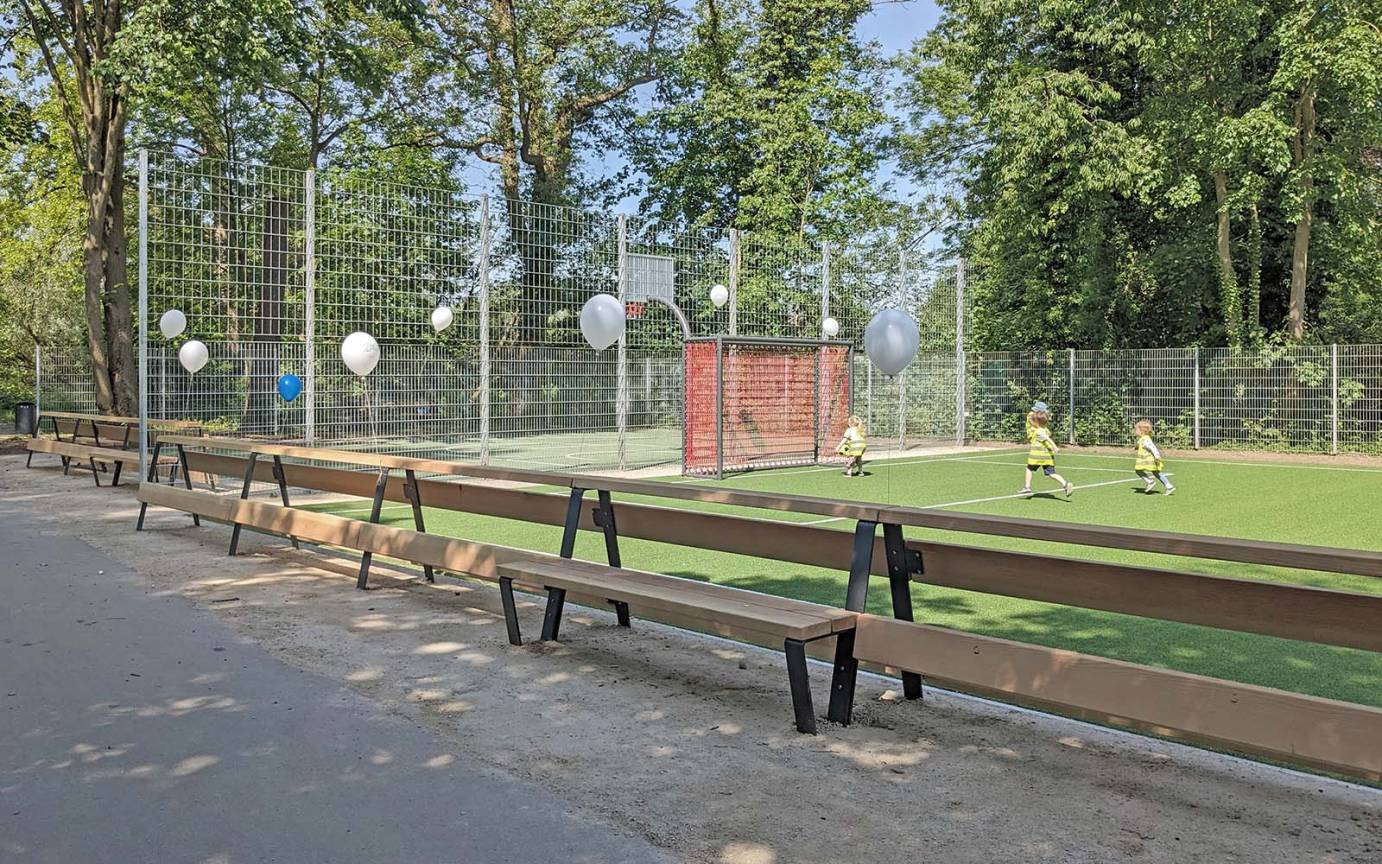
1322, 505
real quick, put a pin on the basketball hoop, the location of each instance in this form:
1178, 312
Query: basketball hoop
633, 309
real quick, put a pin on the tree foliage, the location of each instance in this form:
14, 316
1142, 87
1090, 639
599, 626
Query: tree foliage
1157, 174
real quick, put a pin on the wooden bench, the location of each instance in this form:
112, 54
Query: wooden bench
92, 455
1303, 730
713, 608
707, 607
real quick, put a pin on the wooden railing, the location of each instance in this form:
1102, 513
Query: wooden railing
1311, 731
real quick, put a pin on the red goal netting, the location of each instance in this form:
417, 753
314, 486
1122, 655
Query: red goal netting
763, 403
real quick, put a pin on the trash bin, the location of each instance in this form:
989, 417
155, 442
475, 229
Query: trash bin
24, 418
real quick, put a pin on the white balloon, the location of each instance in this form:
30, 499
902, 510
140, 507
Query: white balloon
891, 340
719, 295
360, 352
830, 327
193, 355
441, 318
172, 323
602, 321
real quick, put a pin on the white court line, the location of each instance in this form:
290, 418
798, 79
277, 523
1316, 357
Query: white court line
368, 507
1198, 461
980, 500
1025, 494
1064, 467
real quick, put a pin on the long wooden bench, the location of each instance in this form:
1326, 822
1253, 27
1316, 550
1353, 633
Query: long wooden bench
92, 455
709, 607
1222, 713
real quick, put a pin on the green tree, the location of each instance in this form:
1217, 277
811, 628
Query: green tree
770, 120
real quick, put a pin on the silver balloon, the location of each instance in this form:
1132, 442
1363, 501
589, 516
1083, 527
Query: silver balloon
891, 340
830, 327
602, 321
360, 353
193, 355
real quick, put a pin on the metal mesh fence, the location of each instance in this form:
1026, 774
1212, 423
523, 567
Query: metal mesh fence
273, 267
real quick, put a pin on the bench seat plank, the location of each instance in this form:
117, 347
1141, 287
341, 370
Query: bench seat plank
697, 598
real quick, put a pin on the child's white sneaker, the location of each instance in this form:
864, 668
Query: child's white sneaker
1069, 487
1151, 485
1170, 490
1025, 490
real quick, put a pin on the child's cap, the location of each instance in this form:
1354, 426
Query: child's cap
1041, 408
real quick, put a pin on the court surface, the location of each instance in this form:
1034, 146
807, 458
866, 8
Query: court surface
1330, 505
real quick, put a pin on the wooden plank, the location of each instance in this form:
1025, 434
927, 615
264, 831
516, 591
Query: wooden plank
106, 455
1267, 608
666, 592
115, 419
479, 560
1360, 562
1320, 733
1356, 561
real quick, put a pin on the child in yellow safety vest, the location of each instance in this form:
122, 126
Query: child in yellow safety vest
1041, 449
1149, 464
852, 447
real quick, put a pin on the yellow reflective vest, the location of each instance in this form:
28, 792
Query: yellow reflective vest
1145, 460
853, 444
1041, 450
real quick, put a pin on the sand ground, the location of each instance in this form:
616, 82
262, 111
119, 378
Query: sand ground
687, 741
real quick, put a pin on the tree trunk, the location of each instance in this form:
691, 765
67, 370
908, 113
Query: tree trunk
1231, 303
124, 373
93, 300
1252, 322
1302, 148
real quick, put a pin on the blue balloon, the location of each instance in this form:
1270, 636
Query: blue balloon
289, 386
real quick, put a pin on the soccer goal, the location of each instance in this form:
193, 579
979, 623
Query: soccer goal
763, 402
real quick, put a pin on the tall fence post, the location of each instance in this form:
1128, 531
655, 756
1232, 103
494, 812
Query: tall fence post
960, 382
902, 376
309, 319
1334, 399
621, 372
734, 254
1070, 375
1196, 383
482, 271
825, 286
38, 383
143, 314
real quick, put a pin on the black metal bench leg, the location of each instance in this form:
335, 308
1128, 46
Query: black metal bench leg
153, 478
621, 611
573, 523
283, 492
244, 493
604, 519
366, 557
510, 610
551, 619
95, 472
66, 464
899, 577
801, 686
861, 562
115, 477
843, 680
187, 478
414, 496
29, 461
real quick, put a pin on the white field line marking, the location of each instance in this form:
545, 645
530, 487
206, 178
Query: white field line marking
1198, 461
1064, 467
1027, 494
367, 507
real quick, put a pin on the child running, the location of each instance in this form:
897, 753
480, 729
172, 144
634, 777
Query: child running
1149, 464
852, 447
1041, 449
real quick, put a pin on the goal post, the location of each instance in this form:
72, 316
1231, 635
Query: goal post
763, 402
